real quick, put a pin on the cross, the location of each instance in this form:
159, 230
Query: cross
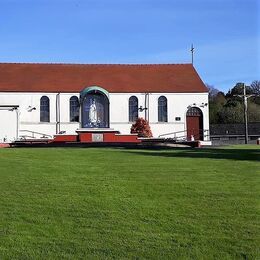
245, 97
192, 51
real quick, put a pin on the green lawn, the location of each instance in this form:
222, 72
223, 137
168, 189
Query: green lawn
120, 203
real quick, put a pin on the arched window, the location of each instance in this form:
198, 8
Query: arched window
194, 111
162, 109
45, 109
133, 108
74, 109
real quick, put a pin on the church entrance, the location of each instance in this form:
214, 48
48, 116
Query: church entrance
94, 108
194, 122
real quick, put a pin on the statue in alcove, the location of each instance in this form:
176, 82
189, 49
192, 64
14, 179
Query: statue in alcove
93, 113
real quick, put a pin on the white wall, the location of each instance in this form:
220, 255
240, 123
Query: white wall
29, 120
178, 104
8, 124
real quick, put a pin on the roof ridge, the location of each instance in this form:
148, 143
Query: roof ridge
94, 64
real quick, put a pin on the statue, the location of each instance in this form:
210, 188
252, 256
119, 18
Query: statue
93, 113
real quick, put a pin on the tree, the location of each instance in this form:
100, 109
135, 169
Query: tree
212, 91
142, 128
238, 89
216, 101
232, 112
255, 88
229, 108
253, 111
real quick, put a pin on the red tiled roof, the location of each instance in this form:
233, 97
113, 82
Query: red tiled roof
117, 78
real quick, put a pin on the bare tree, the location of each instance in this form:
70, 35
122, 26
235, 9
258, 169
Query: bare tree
255, 86
212, 91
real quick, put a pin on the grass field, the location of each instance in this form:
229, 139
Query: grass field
118, 203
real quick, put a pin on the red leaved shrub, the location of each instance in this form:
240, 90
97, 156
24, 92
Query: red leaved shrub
142, 128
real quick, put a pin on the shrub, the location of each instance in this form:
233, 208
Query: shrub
142, 128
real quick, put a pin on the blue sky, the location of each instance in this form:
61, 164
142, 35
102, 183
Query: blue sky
225, 34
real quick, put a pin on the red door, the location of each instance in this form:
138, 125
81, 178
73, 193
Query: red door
193, 127
194, 122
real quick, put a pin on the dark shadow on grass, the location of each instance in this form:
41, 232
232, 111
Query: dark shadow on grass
231, 154
166, 151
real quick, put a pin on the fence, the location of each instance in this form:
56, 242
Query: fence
221, 134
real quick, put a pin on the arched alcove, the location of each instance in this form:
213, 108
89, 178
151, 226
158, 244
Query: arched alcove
94, 107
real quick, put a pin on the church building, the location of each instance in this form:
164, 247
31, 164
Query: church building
43, 100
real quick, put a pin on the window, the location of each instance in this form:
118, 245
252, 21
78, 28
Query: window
133, 108
45, 109
162, 109
194, 111
74, 109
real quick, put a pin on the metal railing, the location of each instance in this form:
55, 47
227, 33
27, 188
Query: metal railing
174, 133
177, 135
33, 133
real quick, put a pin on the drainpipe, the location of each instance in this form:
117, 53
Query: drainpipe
57, 113
17, 123
80, 110
146, 106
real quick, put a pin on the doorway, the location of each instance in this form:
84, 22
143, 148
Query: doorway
194, 123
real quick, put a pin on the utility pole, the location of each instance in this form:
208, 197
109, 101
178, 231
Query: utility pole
192, 51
